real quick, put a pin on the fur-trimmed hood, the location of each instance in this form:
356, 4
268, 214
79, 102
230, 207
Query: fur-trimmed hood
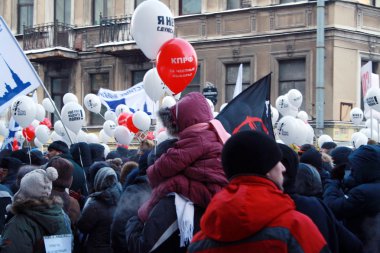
46, 212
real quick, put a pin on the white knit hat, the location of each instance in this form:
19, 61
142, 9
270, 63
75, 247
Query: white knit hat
36, 184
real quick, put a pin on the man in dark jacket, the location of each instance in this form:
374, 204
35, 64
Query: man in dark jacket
60, 148
338, 238
360, 206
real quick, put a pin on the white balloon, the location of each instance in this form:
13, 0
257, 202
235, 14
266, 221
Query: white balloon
38, 143
122, 108
23, 111
324, 138
310, 134
275, 115
123, 135
356, 115
92, 138
222, 106
70, 97
162, 136
72, 139
73, 116
110, 115
19, 137
35, 123
59, 128
92, 103
168, 102
109, 127
42, 133
302, 133
141, 120
4, 131
48, 106
295, 98
367, 132
106, 149
55, 136
153, 85
211, 104
82, 136
103, 137
4, 113
283, 106
287, 129
372, 122
302, 115
40, 112
372, 98
358, 139
151, 26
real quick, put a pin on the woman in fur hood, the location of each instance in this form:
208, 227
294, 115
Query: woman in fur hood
36, 214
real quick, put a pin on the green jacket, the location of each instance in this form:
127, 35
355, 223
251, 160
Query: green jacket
33, 220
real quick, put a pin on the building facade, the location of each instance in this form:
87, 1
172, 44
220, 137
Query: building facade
79, 46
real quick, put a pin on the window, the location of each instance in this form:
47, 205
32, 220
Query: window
231, 76
62, 11
292, 75
187, 7
24, 14
138, 76
97, 81
290, 1
195, 84
59, 88
233, 4
137, 2
99, 7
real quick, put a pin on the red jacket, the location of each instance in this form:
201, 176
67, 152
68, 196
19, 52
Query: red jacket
252, 215
193, 166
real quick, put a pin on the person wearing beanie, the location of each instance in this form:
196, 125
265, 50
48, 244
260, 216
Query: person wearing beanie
314, 158
327, 147
308, 181
61, 184
341, 170
79, 186
9, 168
338, 237
359, 208
36, 214
99, 210
252, 214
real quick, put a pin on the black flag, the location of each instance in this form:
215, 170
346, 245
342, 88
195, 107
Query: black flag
250, 110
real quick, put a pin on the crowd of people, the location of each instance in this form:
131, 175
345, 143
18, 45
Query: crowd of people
198, 190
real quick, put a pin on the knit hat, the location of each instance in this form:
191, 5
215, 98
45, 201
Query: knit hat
329, 145
312, 157
59, 146
36, 184
290, 161
250, 152
340, 155
308, 181
65, 172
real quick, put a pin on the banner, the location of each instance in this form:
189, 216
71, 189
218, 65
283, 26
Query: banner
368, 80
250, 110
135, 98
13, 128
17, 75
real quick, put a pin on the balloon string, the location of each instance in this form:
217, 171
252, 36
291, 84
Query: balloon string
30, 158
101, 116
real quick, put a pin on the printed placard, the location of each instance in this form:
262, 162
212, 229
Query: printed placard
58, 243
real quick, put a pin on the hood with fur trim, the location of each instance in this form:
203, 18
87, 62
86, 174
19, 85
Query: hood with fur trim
190, 110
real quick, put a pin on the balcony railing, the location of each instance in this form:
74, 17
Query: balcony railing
114, 29
48, 35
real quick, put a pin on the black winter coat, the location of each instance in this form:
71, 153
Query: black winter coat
130, 201
159, 233
338, 237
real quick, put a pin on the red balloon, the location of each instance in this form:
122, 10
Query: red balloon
131, 126
46, 122
177, 64
28, 133
122, 119
15, 145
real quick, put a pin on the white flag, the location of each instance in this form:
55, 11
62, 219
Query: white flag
239, 81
